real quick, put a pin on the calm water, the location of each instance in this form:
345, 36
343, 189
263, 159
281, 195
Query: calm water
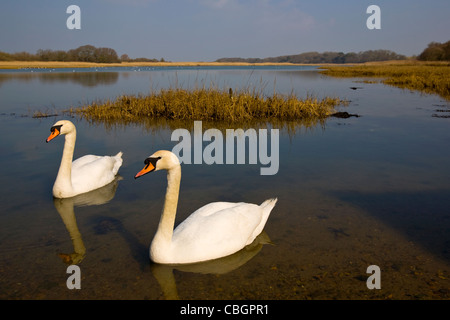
373, 190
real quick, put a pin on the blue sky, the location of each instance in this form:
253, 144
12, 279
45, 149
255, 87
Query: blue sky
205, 30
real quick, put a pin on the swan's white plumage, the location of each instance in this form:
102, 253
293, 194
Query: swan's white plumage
84, 174
215, 230
218, 229
92, 172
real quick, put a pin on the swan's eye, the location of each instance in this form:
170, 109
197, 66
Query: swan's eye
52, 129
151, 161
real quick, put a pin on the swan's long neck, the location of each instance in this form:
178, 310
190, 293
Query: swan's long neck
64, 177
167, 222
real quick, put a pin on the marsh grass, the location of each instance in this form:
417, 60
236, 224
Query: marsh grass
79, 64
41, 114
246, 108
428, 77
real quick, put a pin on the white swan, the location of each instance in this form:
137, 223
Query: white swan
215, 230
84, 174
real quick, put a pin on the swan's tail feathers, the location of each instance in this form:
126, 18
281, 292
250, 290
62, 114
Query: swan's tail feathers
118, 162
266, 208
269, 204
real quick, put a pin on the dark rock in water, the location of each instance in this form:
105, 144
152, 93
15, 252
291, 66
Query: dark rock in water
354, 88
344, 115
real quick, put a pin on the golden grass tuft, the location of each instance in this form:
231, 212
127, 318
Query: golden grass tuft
210, 105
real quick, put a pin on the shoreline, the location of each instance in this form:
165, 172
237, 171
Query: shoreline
75, 64
5, 65
432, 77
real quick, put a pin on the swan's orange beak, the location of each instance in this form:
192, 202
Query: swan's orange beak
148, 168
54, 134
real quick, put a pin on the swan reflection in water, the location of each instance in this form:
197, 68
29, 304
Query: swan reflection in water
164, 272
65, 208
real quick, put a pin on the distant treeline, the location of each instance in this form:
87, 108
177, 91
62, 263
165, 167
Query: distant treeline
85, 53
325, 57
436, 52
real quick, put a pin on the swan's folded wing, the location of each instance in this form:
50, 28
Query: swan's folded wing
83, 161
91, 172
219, 233
214, 207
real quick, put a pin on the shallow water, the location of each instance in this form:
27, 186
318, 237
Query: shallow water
372, 190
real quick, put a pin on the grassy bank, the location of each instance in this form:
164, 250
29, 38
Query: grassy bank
58, 64
208, 104
429, 77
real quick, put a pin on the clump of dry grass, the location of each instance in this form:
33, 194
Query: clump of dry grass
208, 104
426, 77
41, 114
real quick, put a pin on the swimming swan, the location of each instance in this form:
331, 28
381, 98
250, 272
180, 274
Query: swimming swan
84, 174
215, 230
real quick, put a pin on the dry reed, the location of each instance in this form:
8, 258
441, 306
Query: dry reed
430, 77
210, 105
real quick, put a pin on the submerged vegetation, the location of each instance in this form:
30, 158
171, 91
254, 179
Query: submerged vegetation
429, 77
209, 104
